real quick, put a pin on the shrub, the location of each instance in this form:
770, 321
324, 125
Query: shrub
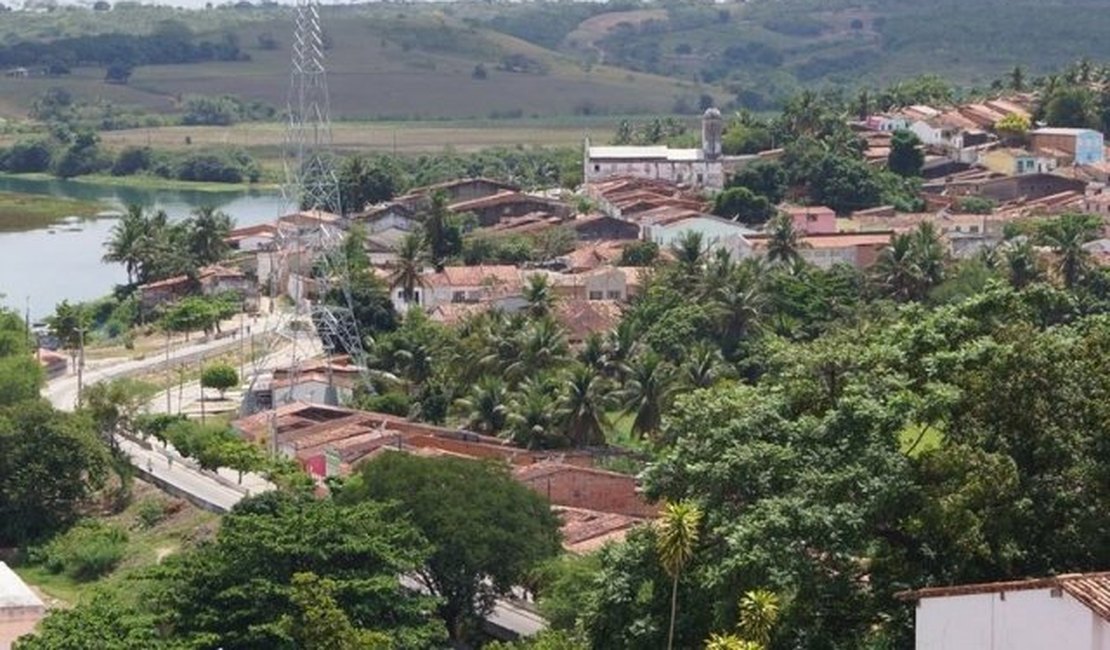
150, 512
85, 552
219, 376
392, 403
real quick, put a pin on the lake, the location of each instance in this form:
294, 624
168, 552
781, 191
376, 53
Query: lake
48, 265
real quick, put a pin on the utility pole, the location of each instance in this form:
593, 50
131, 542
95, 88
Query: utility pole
80, 362
168, 407
201, 367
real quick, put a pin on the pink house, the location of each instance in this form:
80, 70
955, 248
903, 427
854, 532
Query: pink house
813, 219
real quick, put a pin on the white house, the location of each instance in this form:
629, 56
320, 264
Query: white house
464, 284
666, 229
1068, 612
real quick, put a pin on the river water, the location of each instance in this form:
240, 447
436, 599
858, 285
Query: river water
39, 268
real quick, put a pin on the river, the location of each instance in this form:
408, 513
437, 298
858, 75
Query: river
47, 265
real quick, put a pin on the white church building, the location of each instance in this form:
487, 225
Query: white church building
706, 167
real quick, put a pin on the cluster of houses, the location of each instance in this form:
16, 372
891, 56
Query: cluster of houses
594, 505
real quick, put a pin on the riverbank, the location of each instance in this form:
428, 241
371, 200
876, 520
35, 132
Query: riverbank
19, 211
148, 182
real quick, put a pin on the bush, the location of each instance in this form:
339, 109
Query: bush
132, 160
86, 552
150, 512
392, 403
219, 376
27, 156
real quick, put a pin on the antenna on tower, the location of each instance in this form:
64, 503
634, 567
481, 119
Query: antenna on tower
312, 187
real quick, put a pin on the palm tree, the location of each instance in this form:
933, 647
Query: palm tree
896, 269
542, 347
676, 540
737, 307
730, 642
592, 353
408, 267
928, 252
207, 233
582, 405
759, 612
540, 295
648, 393
620, 345
436, 230
1066, 236
485, 409
689, 250
704, 365
531, 416
1021, 264
124, 245
784, 242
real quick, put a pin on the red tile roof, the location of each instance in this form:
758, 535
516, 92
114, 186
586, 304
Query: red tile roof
1091, 589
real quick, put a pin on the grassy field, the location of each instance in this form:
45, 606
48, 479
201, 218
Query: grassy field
24, 211
183, 525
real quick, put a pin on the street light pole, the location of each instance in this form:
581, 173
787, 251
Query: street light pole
168, 407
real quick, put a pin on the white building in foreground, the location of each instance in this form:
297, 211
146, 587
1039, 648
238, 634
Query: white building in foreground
705, 167
1068, 612
20, 608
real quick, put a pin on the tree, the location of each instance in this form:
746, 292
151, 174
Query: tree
648, 392
50, 464
676, 542
442, 234
321, 624
1013, 127
1017, 79
124, 245
1066, 235
906, 156
220, 376
115, 406
407, 270
639, 253
488, 531
759, 612
101, 621
189, 315
69, 323
844, 184
531, 415
241, 589
540, 296
582, 405
1073, 107
208, 231
767, 179
1022, 265
118, 73
485, 407
363, 183
743, 205
785, 242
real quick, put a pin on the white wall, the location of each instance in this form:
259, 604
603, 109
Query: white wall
1017, 620
712, 231
682, 171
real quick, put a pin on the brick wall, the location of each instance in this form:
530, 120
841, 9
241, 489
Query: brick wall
589, 489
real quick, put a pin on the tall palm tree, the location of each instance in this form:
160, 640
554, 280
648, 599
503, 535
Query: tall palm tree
648, 393
582, 405
592, 353
436, 230
737, 307
1066, 236
676, 539
620, 345
689, 251
124, 245
408, 267
785, 242
540, 295
207, 232
485, 408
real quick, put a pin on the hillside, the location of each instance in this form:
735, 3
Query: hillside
396, 62
483, 61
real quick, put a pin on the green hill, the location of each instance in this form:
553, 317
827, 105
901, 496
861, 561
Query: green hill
481, 61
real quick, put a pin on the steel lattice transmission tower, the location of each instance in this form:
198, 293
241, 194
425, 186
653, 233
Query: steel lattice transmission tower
311, 184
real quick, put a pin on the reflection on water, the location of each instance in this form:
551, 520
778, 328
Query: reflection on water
63, 261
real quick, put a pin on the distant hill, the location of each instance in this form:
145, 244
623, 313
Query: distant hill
479, 60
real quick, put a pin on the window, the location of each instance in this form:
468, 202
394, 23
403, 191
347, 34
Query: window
595, 295
614, 295
701, 179
974, 229
458, 296
597, 168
